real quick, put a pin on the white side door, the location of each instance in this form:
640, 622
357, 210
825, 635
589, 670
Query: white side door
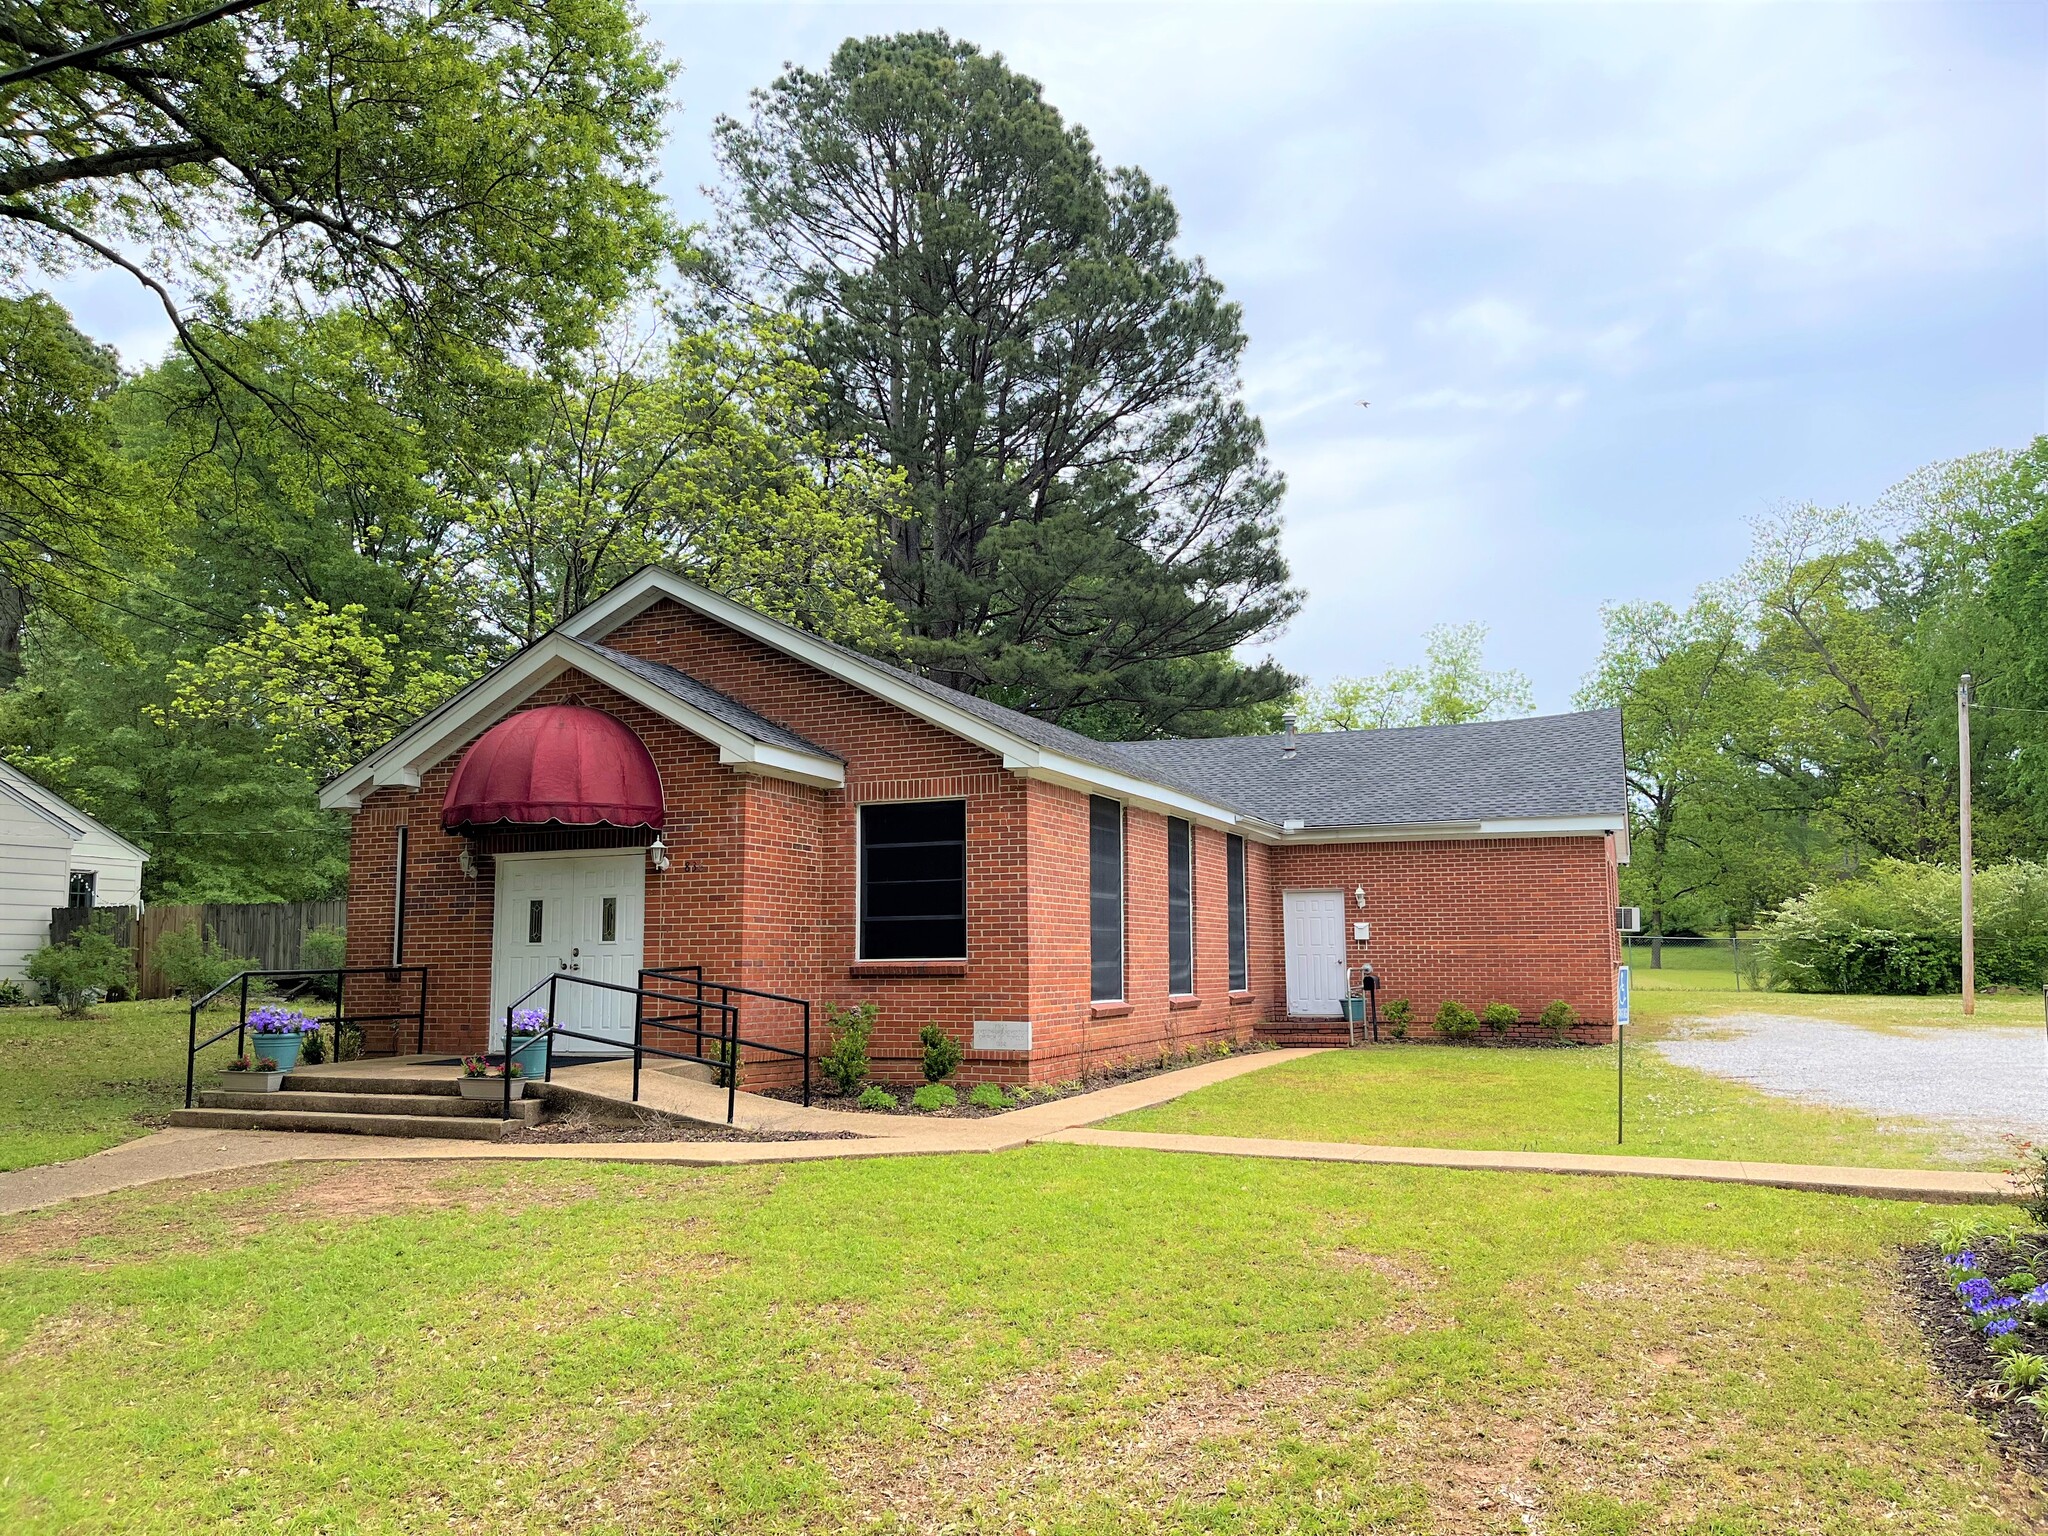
1314, 922
579, 915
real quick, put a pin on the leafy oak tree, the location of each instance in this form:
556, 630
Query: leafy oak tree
1091, 524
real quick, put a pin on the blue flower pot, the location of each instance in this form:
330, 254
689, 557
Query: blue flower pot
531, 1052
282, 1049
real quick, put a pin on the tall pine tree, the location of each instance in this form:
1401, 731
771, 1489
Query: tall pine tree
1092, 525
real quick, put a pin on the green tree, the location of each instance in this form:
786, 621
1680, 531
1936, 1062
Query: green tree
692, 448
1091, 522
1451, 686
475, 170
71, 510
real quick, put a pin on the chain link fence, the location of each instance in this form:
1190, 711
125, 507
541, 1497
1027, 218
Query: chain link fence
1730, 962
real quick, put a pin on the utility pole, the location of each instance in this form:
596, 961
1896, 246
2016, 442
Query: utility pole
1969, 894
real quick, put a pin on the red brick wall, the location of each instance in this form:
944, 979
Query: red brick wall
762, 891
1515, 920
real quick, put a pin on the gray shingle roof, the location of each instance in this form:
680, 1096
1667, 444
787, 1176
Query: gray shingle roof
720, 707
1546, 765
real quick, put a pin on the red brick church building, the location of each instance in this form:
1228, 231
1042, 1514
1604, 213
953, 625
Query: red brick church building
670, 779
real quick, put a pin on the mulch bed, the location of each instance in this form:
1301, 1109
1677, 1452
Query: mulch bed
1961, 1355
1046, 1093
586, 1128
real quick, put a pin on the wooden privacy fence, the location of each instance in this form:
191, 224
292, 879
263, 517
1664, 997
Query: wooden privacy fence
269, 935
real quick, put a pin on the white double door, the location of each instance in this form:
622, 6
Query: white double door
1316, 975
580, 914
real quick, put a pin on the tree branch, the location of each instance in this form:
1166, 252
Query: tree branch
92, 52
113, 162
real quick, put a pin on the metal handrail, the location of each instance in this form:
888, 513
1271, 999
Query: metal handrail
194, 1045
726, 991
730, 1042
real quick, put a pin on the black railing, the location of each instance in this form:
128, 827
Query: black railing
340, 1018
692, 977
729, 1042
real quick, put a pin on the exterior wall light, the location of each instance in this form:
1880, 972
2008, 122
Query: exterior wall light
657, 853
1359, 897
468, 861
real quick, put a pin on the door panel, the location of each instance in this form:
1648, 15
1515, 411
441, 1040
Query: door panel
1316, 977
581, 915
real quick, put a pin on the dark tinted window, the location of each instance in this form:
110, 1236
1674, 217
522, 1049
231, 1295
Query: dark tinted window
1180, 906
1240, 939
1105, 899
913, 881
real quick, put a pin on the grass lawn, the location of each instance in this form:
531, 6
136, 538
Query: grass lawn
1060, 1340
69, 1087
1563, 1101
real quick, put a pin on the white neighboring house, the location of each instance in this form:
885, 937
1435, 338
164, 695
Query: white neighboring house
53, 855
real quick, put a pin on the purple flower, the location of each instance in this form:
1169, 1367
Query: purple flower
1963, 1260
529, 1021
1976, 1290
2000, 1328
282, 1021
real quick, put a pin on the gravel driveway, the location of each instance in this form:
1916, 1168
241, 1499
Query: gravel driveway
1988, 1081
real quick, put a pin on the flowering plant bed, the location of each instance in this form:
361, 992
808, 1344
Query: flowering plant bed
1982, 1299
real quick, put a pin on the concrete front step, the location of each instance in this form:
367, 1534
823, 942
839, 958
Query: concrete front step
446, 1127
434, 1105
384, 1085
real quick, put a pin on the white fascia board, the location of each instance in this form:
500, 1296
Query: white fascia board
639, 593
34, 805
1456, 831
402, 762
1089, 779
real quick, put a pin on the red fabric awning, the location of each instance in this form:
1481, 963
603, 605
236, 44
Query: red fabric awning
561, 764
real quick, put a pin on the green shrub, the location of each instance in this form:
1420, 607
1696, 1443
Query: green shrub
934, 1096
13, 994
1454, 1021
324, 949
1501, 1017
874, 1096
942, 1053
192, 963
988, 1096
1400, 1013
83, 969
1560, 1018
1898, 928
845, 1062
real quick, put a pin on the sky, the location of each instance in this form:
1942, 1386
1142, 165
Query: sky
1615, 279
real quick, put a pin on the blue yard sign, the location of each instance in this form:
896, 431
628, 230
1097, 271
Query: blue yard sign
1621, 995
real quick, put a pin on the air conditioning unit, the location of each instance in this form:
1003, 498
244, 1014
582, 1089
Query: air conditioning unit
1629, 919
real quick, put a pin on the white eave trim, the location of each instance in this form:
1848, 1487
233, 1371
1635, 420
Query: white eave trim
54, 808
641, 592
1457, 831
402, 761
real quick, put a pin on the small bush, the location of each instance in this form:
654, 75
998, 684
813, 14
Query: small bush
845, 1062
988, 1096
1560, 1019
934, 1096
193, 963
1400, 1013
2031, 1175
942, 1053
83, 969
1501, 1017
324, 949
13, 994
313, 1049
874, 1096
1454, 1021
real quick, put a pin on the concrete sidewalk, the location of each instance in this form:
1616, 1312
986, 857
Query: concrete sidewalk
1934, 1185
182, 1153
177, 1154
